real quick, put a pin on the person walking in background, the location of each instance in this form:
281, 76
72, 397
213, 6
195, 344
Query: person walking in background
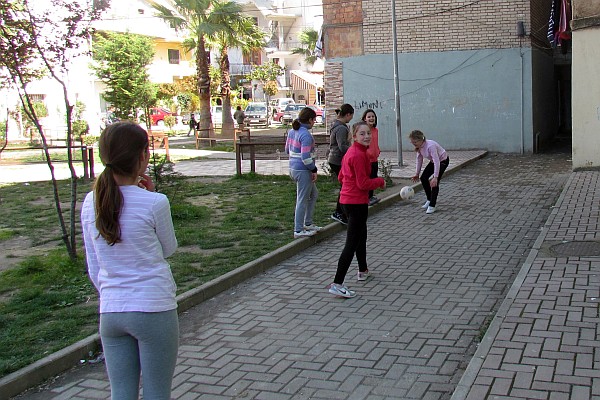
373, 151
192, 123
128, 232
239, 116
354, 197
339, 143
300, 146
432, 174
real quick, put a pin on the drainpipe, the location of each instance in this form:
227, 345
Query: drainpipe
522, 105
521, 34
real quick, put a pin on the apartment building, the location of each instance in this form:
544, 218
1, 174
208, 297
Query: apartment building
284, 20
472, 74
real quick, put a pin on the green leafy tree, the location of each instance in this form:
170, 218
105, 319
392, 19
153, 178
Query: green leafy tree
195, 17
237, 30
267, 75
187, 93
38, 42
3, 135
41, 111
146, 95
166, 91
121, 62
308, 38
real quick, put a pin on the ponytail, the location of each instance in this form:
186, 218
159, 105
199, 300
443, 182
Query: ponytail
120, 146
304, 117
108, 202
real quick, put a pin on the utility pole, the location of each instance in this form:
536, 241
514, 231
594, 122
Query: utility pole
396, 85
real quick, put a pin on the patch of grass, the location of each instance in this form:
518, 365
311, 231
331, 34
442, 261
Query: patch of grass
6, 234
48, 302
29, 210
484, 327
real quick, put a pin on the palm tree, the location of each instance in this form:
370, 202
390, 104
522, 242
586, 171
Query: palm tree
308, 38
237, 31
195, 16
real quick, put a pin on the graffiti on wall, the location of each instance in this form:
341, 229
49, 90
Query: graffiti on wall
360, 104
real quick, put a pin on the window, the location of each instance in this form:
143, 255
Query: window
253, 58
173, 56
39, 98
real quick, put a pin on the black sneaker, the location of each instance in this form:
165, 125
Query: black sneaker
339, 218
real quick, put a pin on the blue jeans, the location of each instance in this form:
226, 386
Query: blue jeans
140, 342
306, 198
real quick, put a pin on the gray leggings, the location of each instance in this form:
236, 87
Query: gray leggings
135, 342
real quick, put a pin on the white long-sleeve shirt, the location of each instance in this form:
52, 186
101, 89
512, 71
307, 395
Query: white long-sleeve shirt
133, 275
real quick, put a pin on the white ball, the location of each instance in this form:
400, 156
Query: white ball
407, 192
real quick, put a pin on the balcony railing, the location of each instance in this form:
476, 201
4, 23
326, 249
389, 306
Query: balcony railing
288, 46
241, 69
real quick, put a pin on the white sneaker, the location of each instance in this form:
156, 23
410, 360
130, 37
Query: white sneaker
430, 210
363, 276
426, 204
303, 233
312, 227
341, 291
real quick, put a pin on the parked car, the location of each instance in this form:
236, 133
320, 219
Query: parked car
158, 114
320, 113
277, 115
256, 114
278, 106
291, 112
217, 114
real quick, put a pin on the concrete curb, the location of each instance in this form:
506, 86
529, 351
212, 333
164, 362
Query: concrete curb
466, 382
56, 363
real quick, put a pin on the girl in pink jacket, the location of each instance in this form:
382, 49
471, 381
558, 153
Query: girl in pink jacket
354, 199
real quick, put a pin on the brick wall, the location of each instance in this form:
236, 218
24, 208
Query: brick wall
334, 89
443, 25
342, 26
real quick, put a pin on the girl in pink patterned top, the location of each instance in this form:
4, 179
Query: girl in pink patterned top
432, 174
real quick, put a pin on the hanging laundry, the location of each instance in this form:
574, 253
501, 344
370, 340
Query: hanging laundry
319, 44
559, 31
553, 22
564, 29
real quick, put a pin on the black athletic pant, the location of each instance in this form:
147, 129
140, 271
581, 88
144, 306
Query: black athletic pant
356, 240
432, 193
338, 207
374, 170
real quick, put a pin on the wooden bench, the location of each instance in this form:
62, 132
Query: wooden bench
269, 147
211, 137
158, 140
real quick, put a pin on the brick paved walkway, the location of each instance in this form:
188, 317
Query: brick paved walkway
413, 329
545, 340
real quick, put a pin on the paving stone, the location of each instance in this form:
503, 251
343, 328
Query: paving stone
412, 329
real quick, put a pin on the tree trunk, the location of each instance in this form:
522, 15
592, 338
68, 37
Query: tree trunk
228, 125
202, 68
27, 105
